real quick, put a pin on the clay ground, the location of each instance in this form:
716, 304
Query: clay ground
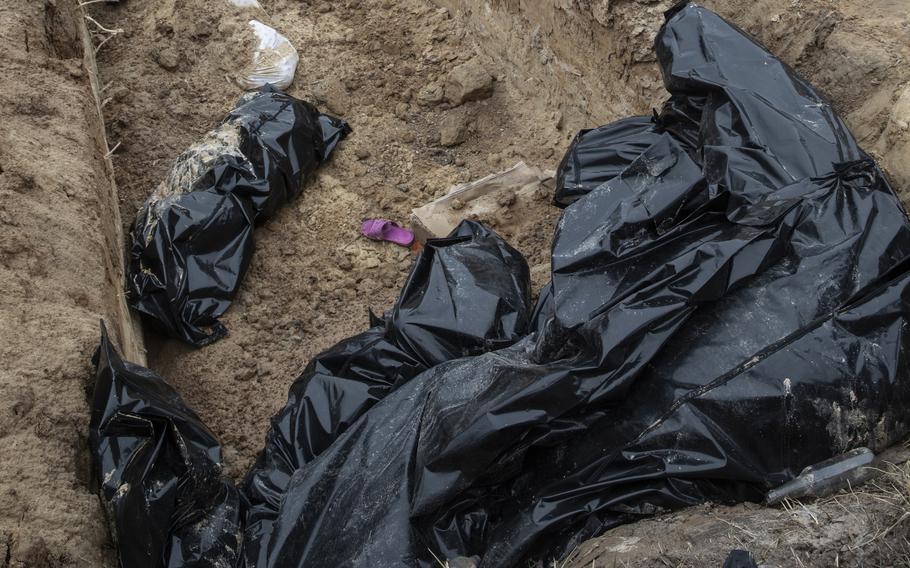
558, 65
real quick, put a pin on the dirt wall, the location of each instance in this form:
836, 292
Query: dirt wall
590, 59
60, 273
593, 59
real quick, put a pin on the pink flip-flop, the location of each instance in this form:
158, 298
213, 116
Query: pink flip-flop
385, 230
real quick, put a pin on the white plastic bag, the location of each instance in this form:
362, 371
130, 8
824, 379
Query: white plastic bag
274, 60
246, 3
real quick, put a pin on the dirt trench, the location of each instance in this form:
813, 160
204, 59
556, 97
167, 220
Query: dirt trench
61, 271
557, 66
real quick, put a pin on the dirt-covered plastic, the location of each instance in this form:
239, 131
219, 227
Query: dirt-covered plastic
193, 238
727, 309
274, 60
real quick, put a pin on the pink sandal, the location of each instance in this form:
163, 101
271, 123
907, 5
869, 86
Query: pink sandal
385, 230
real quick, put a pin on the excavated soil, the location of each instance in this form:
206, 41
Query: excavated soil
558, 65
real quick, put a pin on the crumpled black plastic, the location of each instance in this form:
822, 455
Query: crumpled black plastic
466, 294
740, 559
727, 309
599, 154
158, 471
193, 239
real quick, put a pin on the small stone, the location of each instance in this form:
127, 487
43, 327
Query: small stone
468, 82
430, 94
372, 262
505, 199
167, 58
121, 94
164, 27
244, 374
334, 94
453, 129
402, 110
408, 137
457, 204
459, 161
362, 153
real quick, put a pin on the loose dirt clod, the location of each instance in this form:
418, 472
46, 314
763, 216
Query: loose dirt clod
468, 82
453, 128
167, 58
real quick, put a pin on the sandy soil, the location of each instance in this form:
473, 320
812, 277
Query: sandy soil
558, 65
60, 268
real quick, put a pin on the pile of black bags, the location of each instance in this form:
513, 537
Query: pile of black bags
728, 304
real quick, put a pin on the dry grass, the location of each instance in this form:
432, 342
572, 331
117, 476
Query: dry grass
889, 527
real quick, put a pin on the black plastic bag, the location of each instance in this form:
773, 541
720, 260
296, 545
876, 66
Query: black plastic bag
193, 239
740, 559
158, 469
598, 155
